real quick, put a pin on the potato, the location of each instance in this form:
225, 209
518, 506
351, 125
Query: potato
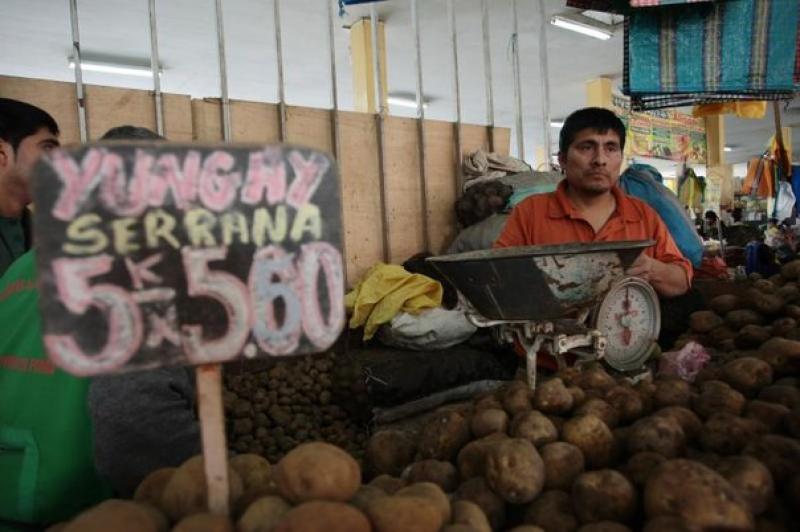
728, 434
151, 488
717, 397
792, 422
578, 395
517, 398
702, 321
724, 304
782, 354
488, 401
780, 454
787, 396
658, 434
563, 462
429, 492
687, 419
646, 390
592, 437
553, 511
640, 465
558, 422
697, 494
256, 474
752, 336
552, 397
443, 474
595, 378
604, 495
666, 523
751, 479
204, 522
792, 311
457, 528
514, 470
671, 392
328, 516
771, 415
263, 515
604, 526
477, 491
471, 459
747, 375
783, 326
470, 514
317, 471
526, 528
534, 427
185, 493
120, 516
764, 303
736, 319
443, 436
365, 495
389, 452
601, 409
487, 421
387, 483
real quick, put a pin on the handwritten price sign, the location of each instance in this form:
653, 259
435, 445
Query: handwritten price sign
161, 254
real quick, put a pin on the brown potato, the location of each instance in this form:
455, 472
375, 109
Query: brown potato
666, 523
751, 479
792, 311
151, 488
697, 494
752, 336
477, 491
782, 354
646, 390
787, 396
488, 401
724, 304
780, 454
487, 421
792, 422
263, 515
517, 398
671, 392
256, 474
592, 437
443, 436
604, 526
553, 511
204, 522
728, 434
185, 493
764, 303
717, 397
601, 409
526, 528
443, 474
389, 452
578, 395
534, 427
118, 515
736, 319
552, 397
387, 483
703, 321
595, 378
791, 270
472, 457
603, 495
429, 492
626, 402
640, 465
327, 516
470, 514
771, 415
563, 462
514, 470
783, 326
317, 471
658, 434
687, 419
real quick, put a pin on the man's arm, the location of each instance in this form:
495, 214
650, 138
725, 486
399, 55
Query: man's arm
668, 279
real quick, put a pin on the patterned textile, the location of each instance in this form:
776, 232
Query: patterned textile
651, 3
607, 6
711, 52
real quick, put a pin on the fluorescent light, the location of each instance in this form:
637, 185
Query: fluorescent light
580, 27
556, 123
114, 68
404, 102
727, 148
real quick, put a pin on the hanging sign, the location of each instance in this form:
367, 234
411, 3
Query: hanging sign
163, 254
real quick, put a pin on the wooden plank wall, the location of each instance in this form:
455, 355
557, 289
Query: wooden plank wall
200, 120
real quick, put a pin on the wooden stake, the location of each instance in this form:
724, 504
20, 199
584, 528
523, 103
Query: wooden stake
212, 428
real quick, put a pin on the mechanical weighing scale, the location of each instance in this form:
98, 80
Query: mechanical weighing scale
561, 298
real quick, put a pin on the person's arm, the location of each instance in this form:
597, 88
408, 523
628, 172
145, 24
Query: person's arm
668, 279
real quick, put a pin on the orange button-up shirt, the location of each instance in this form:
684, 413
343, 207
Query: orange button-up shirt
553, 219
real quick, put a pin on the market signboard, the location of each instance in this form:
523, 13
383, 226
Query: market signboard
159, 254
662, 134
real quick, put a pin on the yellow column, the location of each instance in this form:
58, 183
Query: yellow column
363, 72
715, 140
787, 141
598, 93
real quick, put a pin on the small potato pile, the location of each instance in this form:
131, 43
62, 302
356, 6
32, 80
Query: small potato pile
481, 201
271, 411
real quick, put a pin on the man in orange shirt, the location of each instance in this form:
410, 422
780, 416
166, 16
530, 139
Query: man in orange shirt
588, 206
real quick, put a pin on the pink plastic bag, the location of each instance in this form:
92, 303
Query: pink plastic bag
685, 363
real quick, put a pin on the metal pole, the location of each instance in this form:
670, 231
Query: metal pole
376, 72
223, 75
276, 4
487, 70
423, 177
155, 65
544, 76
76, 57
517, 83
456, 95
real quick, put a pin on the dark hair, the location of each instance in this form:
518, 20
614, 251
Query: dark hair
595, 118
19, 120
711, 215
128, 132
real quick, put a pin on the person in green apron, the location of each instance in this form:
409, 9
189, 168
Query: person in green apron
25, 133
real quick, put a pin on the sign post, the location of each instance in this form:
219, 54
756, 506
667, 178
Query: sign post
160, 254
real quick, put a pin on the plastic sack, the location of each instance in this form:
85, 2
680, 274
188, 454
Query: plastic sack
685, 363
479, 236
431, 329
784, 205
640, 181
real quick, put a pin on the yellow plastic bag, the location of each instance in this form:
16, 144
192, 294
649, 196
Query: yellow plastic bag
744, 109
386, 290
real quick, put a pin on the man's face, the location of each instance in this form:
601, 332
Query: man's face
592, 161
16, 168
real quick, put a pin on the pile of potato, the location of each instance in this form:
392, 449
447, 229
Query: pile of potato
271, 411
481, 201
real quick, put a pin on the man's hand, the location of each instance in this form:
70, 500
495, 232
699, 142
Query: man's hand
668, 279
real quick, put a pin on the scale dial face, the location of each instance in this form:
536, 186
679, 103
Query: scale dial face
630, 318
